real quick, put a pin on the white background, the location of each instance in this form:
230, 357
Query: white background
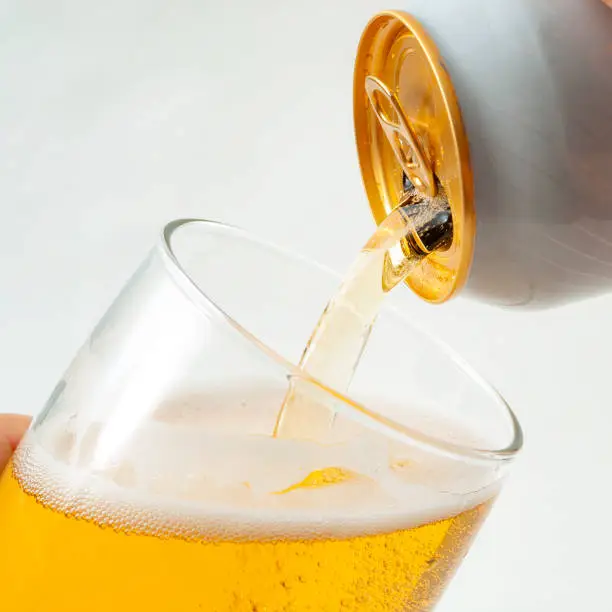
116, 117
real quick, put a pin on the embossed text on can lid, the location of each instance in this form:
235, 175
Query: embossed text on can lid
408, 122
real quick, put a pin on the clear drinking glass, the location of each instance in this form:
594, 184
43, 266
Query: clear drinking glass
151, 479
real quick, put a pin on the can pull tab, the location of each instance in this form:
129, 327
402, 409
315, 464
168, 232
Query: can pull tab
401, 136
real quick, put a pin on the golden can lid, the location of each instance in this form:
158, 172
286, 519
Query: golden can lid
408, 121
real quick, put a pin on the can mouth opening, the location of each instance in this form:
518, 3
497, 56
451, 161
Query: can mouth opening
436, 233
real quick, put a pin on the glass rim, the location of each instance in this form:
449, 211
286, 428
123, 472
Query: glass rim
198, 296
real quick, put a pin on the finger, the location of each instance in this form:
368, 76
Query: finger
6, 450
608, 3
12, 428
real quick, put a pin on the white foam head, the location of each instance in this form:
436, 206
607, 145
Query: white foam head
193, 470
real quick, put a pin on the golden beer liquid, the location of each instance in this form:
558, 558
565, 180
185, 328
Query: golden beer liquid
54, 562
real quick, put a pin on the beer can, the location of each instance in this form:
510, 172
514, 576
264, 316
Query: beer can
507, 107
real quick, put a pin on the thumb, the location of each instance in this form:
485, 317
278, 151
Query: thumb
12, 428
5, 453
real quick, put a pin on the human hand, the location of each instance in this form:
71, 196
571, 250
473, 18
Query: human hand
12, 428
